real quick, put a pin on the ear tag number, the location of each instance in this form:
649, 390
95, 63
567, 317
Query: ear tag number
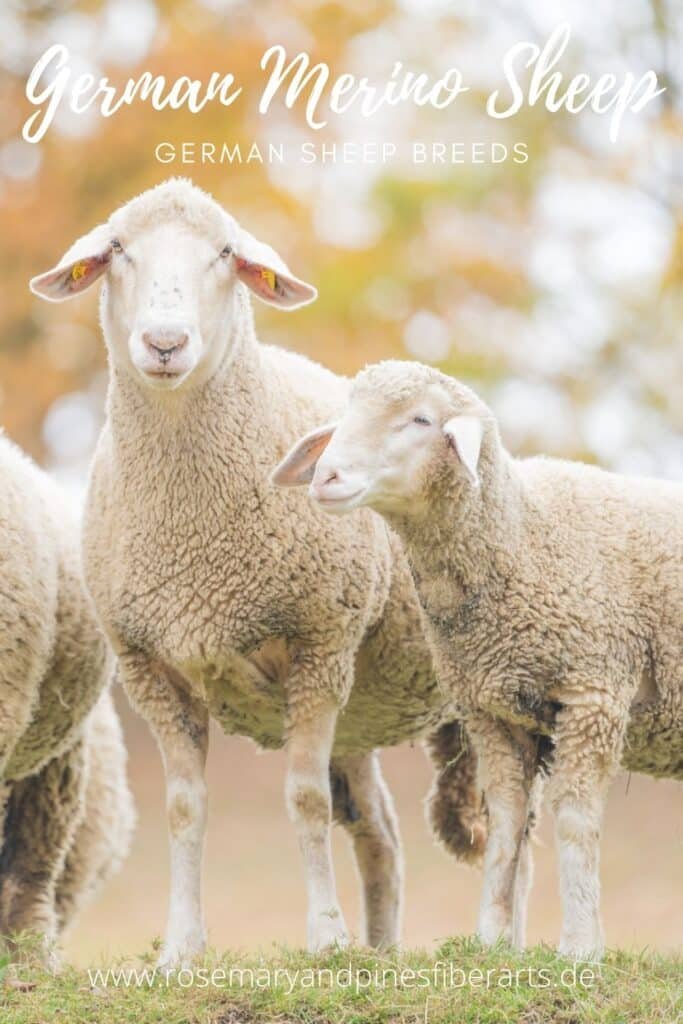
79, 270
269, 277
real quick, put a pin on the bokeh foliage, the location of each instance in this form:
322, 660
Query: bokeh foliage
555, 286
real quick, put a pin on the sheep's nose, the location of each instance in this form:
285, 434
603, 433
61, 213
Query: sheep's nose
330, 485
163, 343
324, 480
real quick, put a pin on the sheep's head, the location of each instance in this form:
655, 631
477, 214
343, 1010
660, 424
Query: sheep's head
406, 428
172, 260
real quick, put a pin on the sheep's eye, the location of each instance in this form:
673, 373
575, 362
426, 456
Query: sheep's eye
423, 421
226, 251
116, 245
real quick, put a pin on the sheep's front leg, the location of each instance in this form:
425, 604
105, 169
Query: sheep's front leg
588, 745
505, 756
186, 809
362, 803
180, 724
312, 719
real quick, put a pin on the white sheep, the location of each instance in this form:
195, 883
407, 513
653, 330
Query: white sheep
225, 597
552, 592
66, 811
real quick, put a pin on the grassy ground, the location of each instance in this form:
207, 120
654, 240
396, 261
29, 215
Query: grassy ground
463, 983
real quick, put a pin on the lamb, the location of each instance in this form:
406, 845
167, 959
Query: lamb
66, 812
552, 593
226, 598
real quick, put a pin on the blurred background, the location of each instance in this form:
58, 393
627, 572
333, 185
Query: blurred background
554, 287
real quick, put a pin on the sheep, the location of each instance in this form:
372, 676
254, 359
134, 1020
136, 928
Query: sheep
66, 812
552, 593
226, 598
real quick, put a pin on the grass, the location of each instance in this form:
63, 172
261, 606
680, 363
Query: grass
472, 986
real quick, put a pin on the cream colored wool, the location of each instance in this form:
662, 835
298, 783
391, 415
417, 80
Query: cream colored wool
552, 593
225, 597
56, 718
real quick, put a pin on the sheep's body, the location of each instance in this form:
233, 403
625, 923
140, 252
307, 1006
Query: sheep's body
54, 711
216, 610
552, 593
579, 594
265, 575
225, 597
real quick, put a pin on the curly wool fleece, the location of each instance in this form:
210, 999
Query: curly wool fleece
67, 812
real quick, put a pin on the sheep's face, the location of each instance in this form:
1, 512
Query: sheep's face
167, 301
401, 432
174, 263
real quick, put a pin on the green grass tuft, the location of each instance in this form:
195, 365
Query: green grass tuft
462, 983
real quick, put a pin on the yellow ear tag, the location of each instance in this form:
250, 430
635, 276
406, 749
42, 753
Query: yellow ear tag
79, 270
269, 277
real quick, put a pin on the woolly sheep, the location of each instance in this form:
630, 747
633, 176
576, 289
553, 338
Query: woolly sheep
66, 809
224, 597
550, 590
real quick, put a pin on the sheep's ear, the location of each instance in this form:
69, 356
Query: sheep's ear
298, 466
268, 275
464, 434
81, 266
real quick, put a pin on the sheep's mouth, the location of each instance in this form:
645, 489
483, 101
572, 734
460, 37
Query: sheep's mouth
164, 378
342, 502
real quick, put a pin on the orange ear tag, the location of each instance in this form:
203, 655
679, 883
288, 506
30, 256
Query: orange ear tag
79, 270
269, 277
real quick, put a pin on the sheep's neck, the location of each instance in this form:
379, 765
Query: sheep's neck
463, 533
224, 415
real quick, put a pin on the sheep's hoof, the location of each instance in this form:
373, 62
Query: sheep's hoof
327, 931
179, 953
493, 933
577, 948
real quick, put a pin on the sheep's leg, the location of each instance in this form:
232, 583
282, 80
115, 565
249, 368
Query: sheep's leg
310, 734
362, 803
184, 753
536, 763
577, 826
42, 815
505, 754
180, 724
522, 888
588, 745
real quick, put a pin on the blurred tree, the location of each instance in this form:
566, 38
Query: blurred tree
555, 285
